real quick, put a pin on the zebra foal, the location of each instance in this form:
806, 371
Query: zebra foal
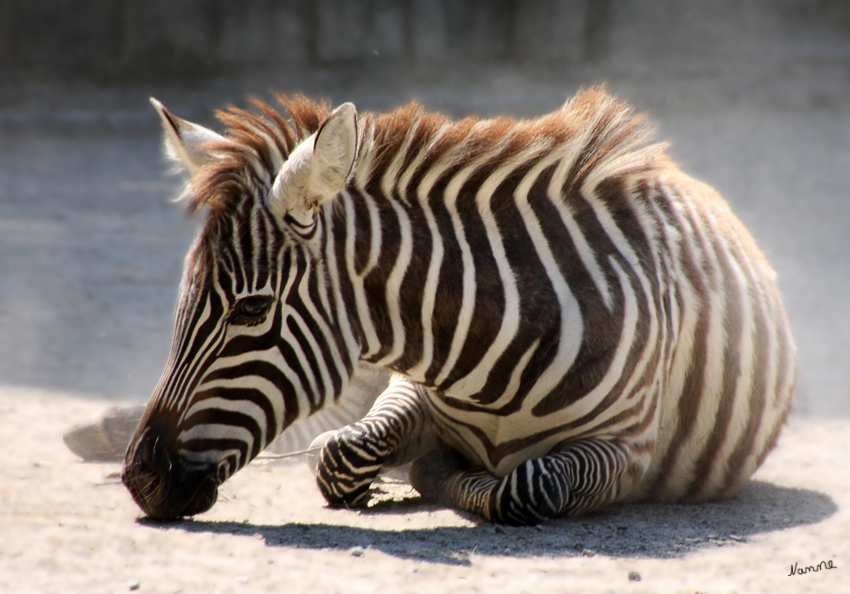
569, 320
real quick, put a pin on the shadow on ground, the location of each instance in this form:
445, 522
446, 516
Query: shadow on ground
637, 530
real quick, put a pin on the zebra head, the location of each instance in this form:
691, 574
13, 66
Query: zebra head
257, 343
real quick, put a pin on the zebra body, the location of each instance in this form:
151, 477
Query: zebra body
570, 320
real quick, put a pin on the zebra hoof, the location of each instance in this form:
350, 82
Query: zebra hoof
314, 455
430, 473
107, 439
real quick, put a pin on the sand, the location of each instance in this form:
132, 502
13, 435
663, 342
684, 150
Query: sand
70, 526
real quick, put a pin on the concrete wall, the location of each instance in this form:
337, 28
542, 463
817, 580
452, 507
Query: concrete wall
119, 40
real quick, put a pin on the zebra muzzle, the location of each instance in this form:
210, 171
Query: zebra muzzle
161, 484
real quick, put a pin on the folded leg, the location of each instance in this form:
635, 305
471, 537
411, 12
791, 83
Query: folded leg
397, 430
584, 475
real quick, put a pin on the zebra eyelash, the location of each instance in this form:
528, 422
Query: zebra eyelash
250, 310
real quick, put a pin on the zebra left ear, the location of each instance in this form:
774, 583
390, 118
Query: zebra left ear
318, 169
184, 141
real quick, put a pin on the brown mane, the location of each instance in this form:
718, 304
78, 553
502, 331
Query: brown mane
257, 143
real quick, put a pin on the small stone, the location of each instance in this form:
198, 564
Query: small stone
737, 537
356, 551
634, 576
134, 584
588, 553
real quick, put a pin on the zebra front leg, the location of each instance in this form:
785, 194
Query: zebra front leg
396, 430
585, 475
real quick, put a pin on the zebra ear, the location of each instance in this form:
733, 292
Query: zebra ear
184, 141
335, 151
318, 169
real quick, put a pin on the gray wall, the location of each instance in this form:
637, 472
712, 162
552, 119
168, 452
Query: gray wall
120, 40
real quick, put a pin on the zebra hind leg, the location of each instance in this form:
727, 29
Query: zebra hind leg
397, 430
585, 475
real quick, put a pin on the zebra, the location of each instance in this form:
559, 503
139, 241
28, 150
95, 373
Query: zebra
568, 319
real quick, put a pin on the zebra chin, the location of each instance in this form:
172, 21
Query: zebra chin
163, 485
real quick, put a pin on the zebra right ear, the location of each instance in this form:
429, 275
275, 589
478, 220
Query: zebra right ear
184, 141
318, 169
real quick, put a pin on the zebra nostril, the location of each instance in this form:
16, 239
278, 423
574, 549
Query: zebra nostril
152, 455
146, 453
147, 469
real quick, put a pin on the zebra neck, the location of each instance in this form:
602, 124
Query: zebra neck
371, 245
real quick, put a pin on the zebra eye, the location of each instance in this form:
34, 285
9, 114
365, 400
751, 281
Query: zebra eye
250, 311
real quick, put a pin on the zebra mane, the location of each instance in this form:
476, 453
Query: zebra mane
603, 136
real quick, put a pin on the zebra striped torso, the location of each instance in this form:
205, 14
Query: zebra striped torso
552, 289
543, 301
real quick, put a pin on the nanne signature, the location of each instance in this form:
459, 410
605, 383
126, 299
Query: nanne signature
797, 570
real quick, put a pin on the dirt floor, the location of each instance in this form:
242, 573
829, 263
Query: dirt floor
69, 526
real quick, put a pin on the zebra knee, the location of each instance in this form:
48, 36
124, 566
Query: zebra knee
536, 491
346, 469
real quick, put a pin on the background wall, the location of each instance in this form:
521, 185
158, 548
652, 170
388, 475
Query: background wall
121, 40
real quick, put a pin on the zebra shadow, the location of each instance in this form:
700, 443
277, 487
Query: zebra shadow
634, 530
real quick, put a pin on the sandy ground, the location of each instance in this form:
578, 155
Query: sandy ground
90, 257
69, 526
